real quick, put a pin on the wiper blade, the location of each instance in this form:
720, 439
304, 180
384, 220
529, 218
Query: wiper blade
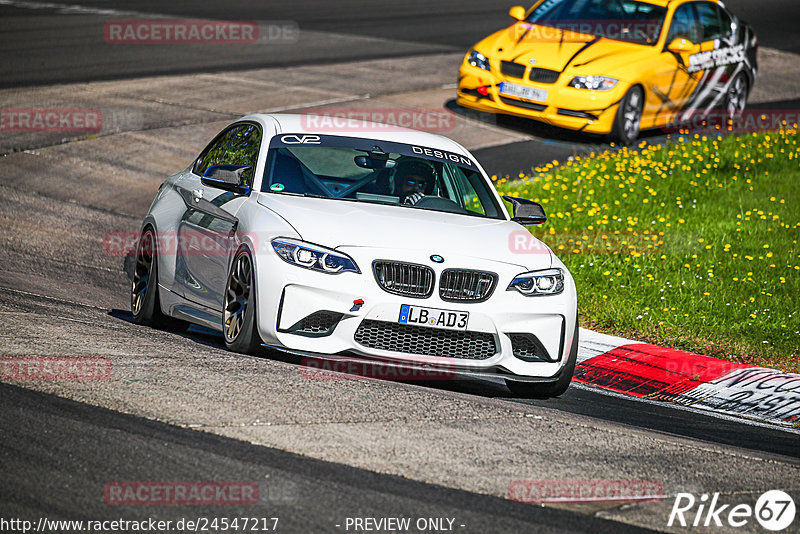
329, 198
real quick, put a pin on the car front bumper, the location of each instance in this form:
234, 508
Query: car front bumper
287, 295
566, 107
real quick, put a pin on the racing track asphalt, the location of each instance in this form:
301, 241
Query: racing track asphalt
43, 42
57, 455
53, 449
610, 406
39, 45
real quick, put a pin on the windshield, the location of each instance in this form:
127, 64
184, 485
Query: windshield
621, 20
367, 170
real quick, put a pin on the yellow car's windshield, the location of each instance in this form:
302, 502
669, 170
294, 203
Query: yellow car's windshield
621, 20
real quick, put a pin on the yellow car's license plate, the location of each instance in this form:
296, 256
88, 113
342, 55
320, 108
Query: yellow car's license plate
523, 91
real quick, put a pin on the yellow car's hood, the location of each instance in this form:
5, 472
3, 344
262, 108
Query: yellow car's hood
551, 48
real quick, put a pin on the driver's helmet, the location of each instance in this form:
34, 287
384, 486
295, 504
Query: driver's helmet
414, 169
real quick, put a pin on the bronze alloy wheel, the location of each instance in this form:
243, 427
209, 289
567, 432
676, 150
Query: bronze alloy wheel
142, 273
239, 323
237, 297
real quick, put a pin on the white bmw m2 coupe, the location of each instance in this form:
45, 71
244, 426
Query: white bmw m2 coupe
375, 243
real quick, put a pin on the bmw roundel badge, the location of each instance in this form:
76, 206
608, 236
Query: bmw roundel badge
436, 258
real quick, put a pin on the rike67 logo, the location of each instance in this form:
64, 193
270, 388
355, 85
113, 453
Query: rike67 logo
774, 510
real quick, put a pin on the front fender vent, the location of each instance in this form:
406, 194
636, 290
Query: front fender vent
527, 347
318, 324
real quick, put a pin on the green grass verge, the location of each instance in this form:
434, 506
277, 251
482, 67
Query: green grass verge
691, 245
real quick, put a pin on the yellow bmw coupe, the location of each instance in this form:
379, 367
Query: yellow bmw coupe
613, 67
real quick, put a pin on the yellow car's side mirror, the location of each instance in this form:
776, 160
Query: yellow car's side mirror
680, 45
517, 12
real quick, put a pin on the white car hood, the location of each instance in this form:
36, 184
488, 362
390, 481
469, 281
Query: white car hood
341, 223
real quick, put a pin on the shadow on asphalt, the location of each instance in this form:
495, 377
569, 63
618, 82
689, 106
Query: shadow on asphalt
211, 338
547, 132
577, 400
792, 106
549, 143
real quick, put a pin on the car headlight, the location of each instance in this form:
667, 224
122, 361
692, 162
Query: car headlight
596, 83
534, 283
476, 59
313, 257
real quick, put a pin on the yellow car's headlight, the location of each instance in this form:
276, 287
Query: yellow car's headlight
595, 83
476, 59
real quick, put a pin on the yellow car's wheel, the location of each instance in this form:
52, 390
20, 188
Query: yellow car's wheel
736, 96
629, 117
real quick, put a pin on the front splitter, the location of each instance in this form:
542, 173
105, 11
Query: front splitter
393, 370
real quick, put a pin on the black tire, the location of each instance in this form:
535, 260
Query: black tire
145, 304
549, 389
239, 307
627, 123
736, 96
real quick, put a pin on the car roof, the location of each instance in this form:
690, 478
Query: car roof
320, 124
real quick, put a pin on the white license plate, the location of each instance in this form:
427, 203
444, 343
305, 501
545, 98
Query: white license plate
433, 317
523, 91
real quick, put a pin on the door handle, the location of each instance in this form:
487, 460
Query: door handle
197, 194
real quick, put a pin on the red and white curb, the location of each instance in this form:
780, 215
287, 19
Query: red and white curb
661, 374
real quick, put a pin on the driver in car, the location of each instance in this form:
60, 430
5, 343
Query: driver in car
413, 180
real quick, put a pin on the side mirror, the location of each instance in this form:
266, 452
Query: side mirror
517, 13
226, 177
527, 212
680, 45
